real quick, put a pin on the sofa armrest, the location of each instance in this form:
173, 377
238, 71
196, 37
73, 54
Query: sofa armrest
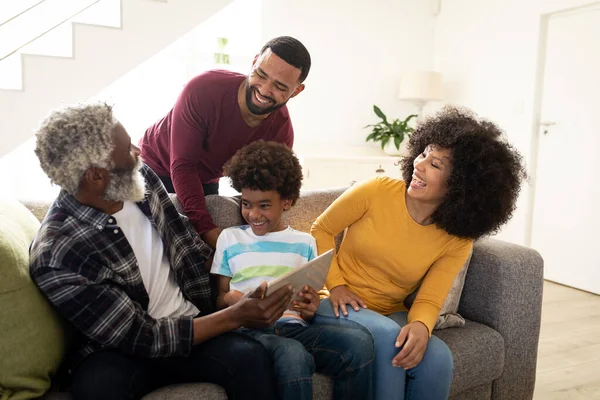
503, 290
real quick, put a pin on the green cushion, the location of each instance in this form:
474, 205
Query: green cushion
32, 335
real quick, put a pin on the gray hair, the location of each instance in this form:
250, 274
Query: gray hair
73, 139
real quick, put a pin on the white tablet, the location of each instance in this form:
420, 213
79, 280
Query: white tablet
313, 274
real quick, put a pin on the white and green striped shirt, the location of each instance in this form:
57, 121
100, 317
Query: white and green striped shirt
250, 259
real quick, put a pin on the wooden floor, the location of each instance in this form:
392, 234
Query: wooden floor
569, 353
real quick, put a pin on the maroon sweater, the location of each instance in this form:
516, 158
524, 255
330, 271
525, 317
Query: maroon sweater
204, 130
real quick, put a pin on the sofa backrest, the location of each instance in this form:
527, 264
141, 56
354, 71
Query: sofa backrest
226, 210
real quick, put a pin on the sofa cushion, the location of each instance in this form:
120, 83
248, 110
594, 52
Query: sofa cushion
322, 390
449, 316
32, 336
310, 205
188, 391
224, 210
478, 353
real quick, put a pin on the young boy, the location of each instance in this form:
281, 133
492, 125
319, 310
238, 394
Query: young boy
269, 177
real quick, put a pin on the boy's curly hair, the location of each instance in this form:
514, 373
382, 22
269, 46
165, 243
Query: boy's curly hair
266, 166
486, 172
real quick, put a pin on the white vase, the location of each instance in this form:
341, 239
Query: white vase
391, 150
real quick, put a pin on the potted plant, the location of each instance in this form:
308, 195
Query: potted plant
220, 57
391, 135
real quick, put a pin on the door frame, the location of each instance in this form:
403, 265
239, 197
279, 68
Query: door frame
537, 102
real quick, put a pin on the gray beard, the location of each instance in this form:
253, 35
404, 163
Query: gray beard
126, 185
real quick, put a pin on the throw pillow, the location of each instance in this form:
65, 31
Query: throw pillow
449, 316
33, 338
224, 210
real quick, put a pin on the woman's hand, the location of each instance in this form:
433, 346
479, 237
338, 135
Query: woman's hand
340, 296
309, 304
413, 339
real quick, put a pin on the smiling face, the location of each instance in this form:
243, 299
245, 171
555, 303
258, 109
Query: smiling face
432, 168
263, 211
271, 83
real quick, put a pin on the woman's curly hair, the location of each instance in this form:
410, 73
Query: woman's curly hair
486, 172
73, 139
266, 166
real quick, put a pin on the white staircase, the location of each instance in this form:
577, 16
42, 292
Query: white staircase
94, 57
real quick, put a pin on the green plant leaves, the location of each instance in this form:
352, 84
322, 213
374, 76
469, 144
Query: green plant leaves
384, 131
379, 113
384, 141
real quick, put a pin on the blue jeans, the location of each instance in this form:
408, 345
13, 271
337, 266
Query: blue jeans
430, 379
297, 351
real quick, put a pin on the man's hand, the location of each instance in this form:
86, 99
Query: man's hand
309, 304
210, 237
413, 339
340, 296
232, 297
256, 311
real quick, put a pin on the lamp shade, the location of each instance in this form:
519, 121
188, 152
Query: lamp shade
421, 86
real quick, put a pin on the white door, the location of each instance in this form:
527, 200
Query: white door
566, 219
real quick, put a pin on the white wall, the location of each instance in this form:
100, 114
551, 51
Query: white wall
487, 51
358, 51
143, 95
101, 55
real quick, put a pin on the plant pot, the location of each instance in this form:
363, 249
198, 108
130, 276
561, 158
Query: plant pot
391, 150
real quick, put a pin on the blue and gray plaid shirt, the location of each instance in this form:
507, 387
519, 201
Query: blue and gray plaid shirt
83, 263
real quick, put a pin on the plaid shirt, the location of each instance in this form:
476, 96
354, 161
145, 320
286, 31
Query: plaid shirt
83, 263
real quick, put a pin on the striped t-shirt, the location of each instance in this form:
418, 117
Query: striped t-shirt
250, 259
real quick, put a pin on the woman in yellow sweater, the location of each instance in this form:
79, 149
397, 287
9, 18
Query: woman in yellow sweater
460, 182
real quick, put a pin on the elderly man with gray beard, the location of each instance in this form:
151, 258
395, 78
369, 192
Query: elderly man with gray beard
127, 271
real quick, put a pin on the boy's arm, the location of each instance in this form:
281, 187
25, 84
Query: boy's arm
227, 297
222, 270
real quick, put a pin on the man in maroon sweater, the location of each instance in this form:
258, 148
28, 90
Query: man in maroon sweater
217, 113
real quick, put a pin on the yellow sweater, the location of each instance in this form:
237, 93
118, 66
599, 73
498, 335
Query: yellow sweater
386, 254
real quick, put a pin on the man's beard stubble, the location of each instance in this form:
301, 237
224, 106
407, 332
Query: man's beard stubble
126, 185
254, 109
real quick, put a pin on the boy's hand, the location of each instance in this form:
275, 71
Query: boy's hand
232, 297
309, 304
256, 311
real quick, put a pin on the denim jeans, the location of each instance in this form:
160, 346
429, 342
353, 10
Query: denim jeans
234, 361
430, 379
297, 351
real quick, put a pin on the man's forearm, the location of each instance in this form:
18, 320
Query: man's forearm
190, 194
212, 325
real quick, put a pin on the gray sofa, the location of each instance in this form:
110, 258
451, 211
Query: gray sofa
494, 353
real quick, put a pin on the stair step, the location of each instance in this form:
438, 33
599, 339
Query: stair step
101, 55
59, 41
